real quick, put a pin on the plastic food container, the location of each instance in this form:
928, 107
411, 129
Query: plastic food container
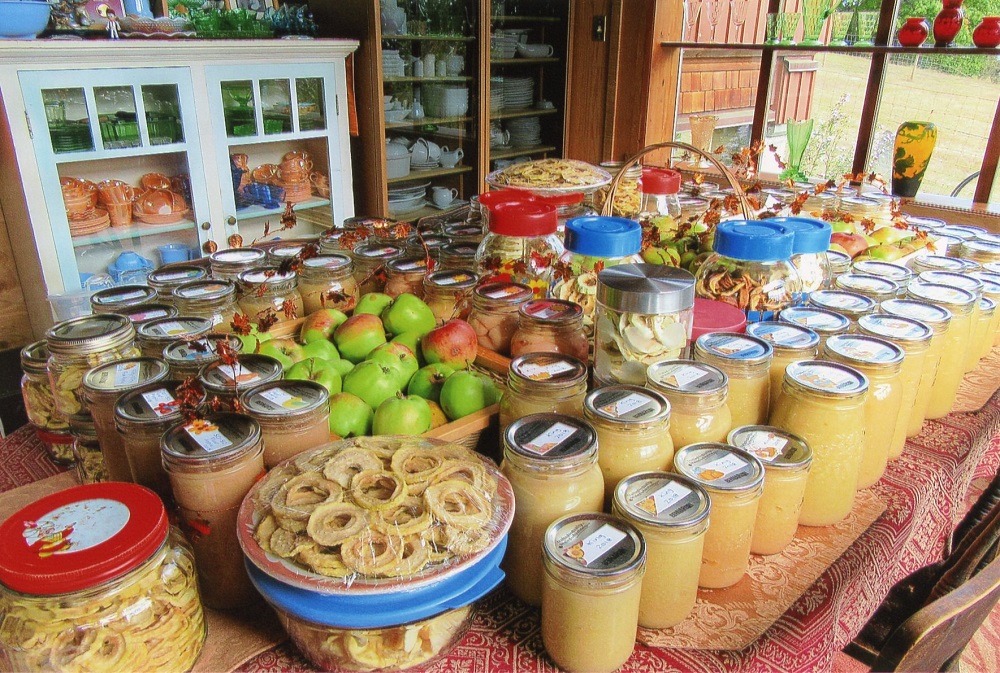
228, 382
124, 296
746, 360
543, 382
124, 598
212, 299
327, 281
229, 264
698, 395
294, 416
152, 337
266, 292
521, 246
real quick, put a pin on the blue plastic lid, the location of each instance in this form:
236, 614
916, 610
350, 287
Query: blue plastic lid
754, 240
811, 235
599, 236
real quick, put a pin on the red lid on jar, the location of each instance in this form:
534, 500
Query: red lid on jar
570, 199
660, 181
81, 537
491, 199
523, 219
716, 316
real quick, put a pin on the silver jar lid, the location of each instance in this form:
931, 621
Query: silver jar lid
551, 311
453, 252
978, 246
955, 299
376, 252
942, 263
859, 350
868, 285
198, 352
555, 440
850, 304
553, 370
774, 447
819, 320
250, 370
457, 279
140, 314
106, 301
595, 545
205, 290
35, 358
169, 277
285, 399
410, 264
873, 267
514, 293
153, 404
719, 467
989, 279
645, 288
124, 375
269, 277
325, 263
964, 281
236, 259
987, 306
962, 231
278, 253
686, 377
894, 328
89, 334
733, 346
218, 437
828, 379
839, 261
936, 317
633, 406
662, 499
784, 336
166, 330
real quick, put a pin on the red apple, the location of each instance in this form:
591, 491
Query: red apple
358, 336
453, 343
853, 244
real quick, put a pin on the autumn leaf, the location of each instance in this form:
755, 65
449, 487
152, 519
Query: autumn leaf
540, 261
190, 395
868, 225
562, 271
599, 266
266, 321
288, 308
241, 324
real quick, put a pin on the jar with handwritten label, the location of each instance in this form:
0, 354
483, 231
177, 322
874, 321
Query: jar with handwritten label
540, 382
212, 463
228, 381
266, 292
592, 587
851, 305
698, 394
448, 293
494, 313
877, 288
551, 462
327, 281
164, 280
370, 261
790, 343
154, 336
229, 264
552, 326
821, 321
294, 416
212, 299
746, 360
90, 467
40, 405
734, 480
406, 275
521, 246
113, 299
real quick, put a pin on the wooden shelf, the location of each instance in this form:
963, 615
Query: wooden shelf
138, 230
430, 38
410, 123
419, 80
525, 19
433, 173
529, 112
526, 61
877, 49
260, 211
521, 151
119, 153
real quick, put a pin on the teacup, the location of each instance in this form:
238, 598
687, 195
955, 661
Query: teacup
295, 168
535, 50
442, 196
425, 150
450, 158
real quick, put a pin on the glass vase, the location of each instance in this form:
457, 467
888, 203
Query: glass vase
772, 29
948, 22
789, 24
839, 25
912, 152
867, 23
702, 132
797, 134
813, 15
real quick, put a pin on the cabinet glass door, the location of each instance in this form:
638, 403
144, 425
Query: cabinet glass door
123, 185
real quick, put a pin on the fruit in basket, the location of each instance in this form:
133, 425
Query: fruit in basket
372, 302
285, 350
350, 416
373, 382
408, 313
402, 415
438, 417
252, 341
465, 392
358, 336
342, 366
319, 325
412, 341
325, 350
667, 256
318, 370
428, 380
397, 356
454, 343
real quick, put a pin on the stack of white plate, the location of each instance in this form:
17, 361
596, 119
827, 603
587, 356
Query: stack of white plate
525, 131
424, 165
392, 63
445, 101
408, 198
518, 92
503, 45
496, 94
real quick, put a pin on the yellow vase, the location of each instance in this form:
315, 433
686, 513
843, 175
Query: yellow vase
913, 148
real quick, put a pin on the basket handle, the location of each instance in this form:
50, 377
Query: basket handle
634, 159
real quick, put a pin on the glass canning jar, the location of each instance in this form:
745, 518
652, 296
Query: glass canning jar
963, 231
212, 299
122, 296
268, 292
924, 263
980, 251
790, 343
567, 207
541, 382
228, 382
494, 313
851, 305
369, 259
212, 463
786, 459
186, 357
644, 314
77, 345
697, 394
991, 290
40, 404
145, 313
431, 244
102, 386
746, 360
982, 337
327, 281
633, 431
672, 513
877, 288
692, 208
125, 599
809, 246
966, 281
551, 462
329, 241
455, 256
406, 275
165, 279
734, 480
840, 262
824, 404
229, 264
751, 268
825, 323
154, 336
551, 326
294, 416
281, 252
464, 232
90, 467
592, 587
448, 293
521, 245
897, 273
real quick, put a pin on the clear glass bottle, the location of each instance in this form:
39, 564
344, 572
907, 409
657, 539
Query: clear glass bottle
592, 586
494, 313
521, 246
790, 343
229, 264
877, 288
633, 431
551, 462
186, 357
897, 273
550, 326
543, 382
697, 393
229, 382
457, 256
164, 280
327, 281
824, 404
154, 336
734, 480
90, 467
811, 241
448, 293
746, 360
406, 275
40, 405
965, 281
113, 299
266, 292
212, 299
825, 323
369, 259
294, 416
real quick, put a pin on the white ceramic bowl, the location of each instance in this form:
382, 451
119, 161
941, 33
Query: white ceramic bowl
396, 115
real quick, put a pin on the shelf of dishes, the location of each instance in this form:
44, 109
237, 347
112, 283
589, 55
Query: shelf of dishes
430, 173
132, 231
520, 151
525, 61
430, 38
409, 123
418, 80
262, 211
531, 112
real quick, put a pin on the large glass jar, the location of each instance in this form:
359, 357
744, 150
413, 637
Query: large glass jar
897, 273
697, 393
463, 233
448, 293
266, 292
521, 246
593, 244
212, 463
851, 305
824, 404
746, 360
661, 205
982, 336
790, 343
113, 299
877, 288
751, 268
294, 416
633, 431
551, 462
406, 275
568, 206
229, 264
281, 252
90, 467
431, 244
186, 357
212, 299
786, 459
965, 281
592, 587
327, 281
914, 338
840, 262
734, 480
811, 241
40, 404
821, 321
329, 241
923, 263
672, 513
369, 264
551, 326
494, 313
125, 599
227, 382
79, 344
154, 336
145, 313
166, 279
644, 315
541, 382
102, 386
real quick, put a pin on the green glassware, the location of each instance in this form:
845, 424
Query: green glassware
867, 23
839, 25
772, 29
789, 24
798, 134
813, 16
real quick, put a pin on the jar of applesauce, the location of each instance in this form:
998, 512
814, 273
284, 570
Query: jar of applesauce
551, 462
164, 280
448, 293
951, 367
551, 326
283, 251
824, 404
746, 360
851, 305
914, 338
980, 251
185, 358
268, 292
672, 513
142, 415
122, 296
494, 313
212, 299
789, 343
40, 404
212, 463
455, 256
965, 281
633, 431
327, 281
102, 386
897, 273
540, 382
294, 416
228, 382
991, 290
368, 259
406, 274
878, 288
923, 263
786, 459
982, 336
154, 336
734, 480
592, 587
125, 598
229, 264
824, 323
697, 393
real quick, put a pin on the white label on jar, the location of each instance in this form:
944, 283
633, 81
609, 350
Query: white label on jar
550, 438
452, 280
781, 335
283, 399
379, 252
207, 435
159, 313
734, 346
865, 350
828, 378
161, 402
664, 498
506, 291
900, 328
681, 376
170, 329
76, 526
547, 371
176, 275
135, 294
241, 375
720, 468
819, 320
412, 266
840, 301
765, 445
597, 544
627, 404
127, 374
205, 289
868, 283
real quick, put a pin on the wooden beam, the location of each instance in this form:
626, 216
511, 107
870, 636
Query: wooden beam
988, 171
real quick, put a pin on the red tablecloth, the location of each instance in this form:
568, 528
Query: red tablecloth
925, 491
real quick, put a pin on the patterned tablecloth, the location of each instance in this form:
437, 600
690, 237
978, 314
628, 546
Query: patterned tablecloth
925, 492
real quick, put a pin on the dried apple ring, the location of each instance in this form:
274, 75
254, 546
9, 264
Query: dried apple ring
415, 556
383, 447
277, 478
458, 504
333, 522
371, 553
265, 529
466, 540
299, 496
473, 473
325, 561
408, 518
417, 464
349, 462
287, 544
378, 489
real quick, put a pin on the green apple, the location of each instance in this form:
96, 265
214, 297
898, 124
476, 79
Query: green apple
373, 302
886, 252
325, 350
251, 342
350, 416
408, 313
359, 336
320, 371
342, 366
319, 325
399, 356
891, 234
464, 393
372, 382
284, 350
427, 382
412, 341
843, 227
402, 415
663, 256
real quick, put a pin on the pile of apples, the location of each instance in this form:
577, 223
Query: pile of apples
389, 367
886, 244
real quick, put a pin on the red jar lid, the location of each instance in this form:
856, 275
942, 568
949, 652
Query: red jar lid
660, 181
491, 199
81, 537
716, 316
557, 200
523, 219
